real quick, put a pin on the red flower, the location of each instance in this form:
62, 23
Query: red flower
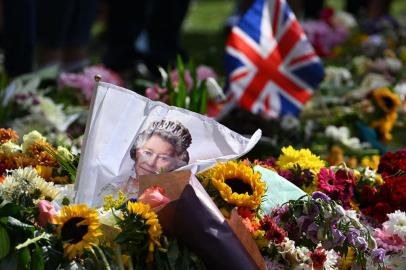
318, 257
392, 163
272, 230
245, 212
378, 211
368, 195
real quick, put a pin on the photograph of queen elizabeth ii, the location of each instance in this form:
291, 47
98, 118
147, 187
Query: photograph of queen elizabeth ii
128, 135
161, 147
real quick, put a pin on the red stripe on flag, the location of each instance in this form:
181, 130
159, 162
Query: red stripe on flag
238, 76
252, 91
276, 17
302, 58
290, 38
241, 45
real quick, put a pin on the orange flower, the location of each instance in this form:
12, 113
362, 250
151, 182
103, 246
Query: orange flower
8, 135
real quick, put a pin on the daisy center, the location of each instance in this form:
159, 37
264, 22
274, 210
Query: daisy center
238, 186
73, 233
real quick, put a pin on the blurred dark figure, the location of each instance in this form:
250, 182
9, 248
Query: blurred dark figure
60, 30
159, 20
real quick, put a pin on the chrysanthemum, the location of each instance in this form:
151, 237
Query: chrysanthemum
396, 223
47, 189
30, 138
151, 219
237, 184
304, 159
78, 227
8, 135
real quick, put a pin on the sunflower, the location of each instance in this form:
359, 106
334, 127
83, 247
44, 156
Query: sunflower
302, 159
237, 183
78, 227
386, 100
151, 219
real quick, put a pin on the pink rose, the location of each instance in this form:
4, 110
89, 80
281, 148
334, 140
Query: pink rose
46, 213
154, 196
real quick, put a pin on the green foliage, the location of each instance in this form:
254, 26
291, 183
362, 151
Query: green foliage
194, 99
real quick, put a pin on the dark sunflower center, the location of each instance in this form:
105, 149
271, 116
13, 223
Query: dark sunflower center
71, 232
388, 102
238, 186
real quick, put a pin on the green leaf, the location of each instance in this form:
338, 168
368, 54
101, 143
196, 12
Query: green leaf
10, 209
10, 262
13, 222
37, 259
24, 259
203, 101
4, 242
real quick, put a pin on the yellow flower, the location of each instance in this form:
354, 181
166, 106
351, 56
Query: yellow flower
110, 202
259, 237
237, 184
346, 262
79, 228
311, 188
151, 219
371, 162
379, 180
292, 159
384, 125
44, 171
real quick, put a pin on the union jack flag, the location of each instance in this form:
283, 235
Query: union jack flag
272, 68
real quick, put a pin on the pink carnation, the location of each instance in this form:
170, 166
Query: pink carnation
390, 242
46, 213
85, 80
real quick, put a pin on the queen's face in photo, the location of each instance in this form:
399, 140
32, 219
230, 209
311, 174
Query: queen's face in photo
162, 147
157, 155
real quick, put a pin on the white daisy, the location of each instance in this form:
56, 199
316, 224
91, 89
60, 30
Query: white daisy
331, 261
47, 189
396, 223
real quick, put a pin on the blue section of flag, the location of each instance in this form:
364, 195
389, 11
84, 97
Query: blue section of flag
312, 74
252, 19
232, 63
287, 107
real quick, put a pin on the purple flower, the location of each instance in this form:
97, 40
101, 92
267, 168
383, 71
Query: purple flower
361, 243
320, 195
378, 255
352, 236
338, 237
312, 231
303, 222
